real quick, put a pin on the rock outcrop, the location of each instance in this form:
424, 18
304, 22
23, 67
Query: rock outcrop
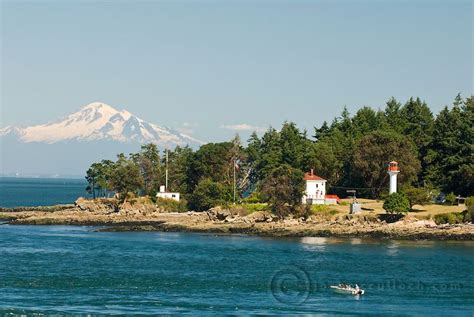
143, 215
98, 206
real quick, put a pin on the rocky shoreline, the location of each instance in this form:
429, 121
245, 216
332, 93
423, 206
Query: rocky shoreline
230, 221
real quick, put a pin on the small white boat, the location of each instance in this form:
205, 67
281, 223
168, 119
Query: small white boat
348, 289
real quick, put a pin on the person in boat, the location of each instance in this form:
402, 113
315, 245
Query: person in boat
358, 290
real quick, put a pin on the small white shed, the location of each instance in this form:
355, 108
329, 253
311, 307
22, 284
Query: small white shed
168, 195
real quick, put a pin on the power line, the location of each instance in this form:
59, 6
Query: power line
341, 187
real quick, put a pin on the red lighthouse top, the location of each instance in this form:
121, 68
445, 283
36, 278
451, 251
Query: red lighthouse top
393, 167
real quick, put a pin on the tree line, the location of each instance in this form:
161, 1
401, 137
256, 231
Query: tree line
435, 153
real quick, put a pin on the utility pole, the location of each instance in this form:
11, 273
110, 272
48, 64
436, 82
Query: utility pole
166, 170
234, 180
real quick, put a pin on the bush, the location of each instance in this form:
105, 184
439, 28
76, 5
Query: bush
396, 203
469, 217
255, 207
433, 192
451, 218
303, 211
383, 196
171, 205
208, 194
417, 195
319, 208
253, 198
131, 198
470, 203
450, 199
323, 212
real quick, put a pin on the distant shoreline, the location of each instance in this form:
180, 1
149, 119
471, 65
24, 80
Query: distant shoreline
46, 177
359, 226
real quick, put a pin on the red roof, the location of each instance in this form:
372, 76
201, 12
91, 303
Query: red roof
336, 197
310, 176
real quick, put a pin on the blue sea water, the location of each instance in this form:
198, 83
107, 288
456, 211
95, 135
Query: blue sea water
72, 270
16, 192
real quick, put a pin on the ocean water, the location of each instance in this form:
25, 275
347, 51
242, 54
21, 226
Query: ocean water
16, 192
66, 269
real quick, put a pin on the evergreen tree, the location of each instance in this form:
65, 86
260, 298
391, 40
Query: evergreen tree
283, 189
321, 158
213, 161
321, 132
418, 126
126, 177
270, 153
292, 144
393, 115
92, 175
374, 151
364, 121
148, 162
179, 161
465, 176
450, 156
345, 124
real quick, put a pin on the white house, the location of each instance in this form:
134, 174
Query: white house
164, 194
315, 192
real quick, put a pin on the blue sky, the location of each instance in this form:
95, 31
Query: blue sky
203, 65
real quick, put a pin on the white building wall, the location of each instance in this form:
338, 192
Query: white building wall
315, 190
393, 182
174, 196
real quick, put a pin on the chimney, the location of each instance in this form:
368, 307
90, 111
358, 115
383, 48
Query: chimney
312, 172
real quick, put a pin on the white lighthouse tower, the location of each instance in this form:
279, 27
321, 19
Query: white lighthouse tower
393, 170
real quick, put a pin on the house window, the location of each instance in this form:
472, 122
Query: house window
316, 185
173, 196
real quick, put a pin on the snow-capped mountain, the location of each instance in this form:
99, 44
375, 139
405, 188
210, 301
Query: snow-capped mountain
69, 145
99, 121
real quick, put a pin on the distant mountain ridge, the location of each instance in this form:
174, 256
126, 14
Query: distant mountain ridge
69, 145
100, 121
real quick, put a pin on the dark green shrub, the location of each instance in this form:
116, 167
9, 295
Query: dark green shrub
208, 194
396, 203
450, 199
303, 211
469, 216
451, 218
283, 189
417, 195
383, 196
253, 198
